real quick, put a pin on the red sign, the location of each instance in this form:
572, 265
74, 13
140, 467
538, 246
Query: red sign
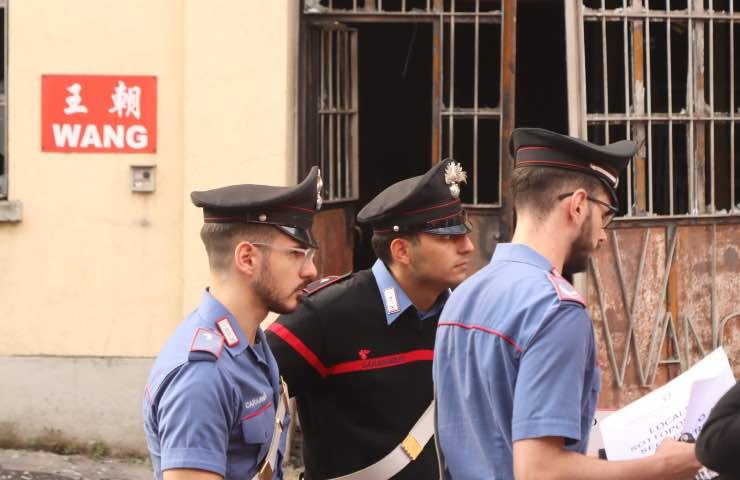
98, 113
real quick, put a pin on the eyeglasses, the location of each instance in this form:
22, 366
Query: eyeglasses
304, 255
606, 218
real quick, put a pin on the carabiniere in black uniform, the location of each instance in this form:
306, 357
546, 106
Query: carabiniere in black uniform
357, 358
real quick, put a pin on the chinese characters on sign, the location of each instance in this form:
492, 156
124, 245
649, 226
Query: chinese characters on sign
98, 113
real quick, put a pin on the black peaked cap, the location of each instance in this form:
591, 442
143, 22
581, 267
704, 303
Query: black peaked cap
426, 203
291, 209
539, 147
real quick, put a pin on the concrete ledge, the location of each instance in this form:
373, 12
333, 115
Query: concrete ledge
11, 210
83, 398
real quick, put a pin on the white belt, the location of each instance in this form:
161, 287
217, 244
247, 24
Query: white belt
404, 453
267, 468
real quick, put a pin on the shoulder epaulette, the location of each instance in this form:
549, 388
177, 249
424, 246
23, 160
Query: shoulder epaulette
565, 291
314, 287
206, 345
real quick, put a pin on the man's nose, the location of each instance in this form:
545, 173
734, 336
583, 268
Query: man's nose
464, 244
309, 270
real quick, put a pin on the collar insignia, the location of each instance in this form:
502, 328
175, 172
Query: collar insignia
228, 332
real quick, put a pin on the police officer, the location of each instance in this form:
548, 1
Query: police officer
719, 441
213, 406
357, 353
515, 367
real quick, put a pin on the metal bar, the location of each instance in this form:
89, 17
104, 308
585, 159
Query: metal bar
625, 53
656, 117
649, 160
700, 106
574, 59
607, 331
711, 107
713, 289
475, 105
673, 232
322, 100
593, 15
638, 202
330, 118
347, 121
437, 85
605, 74
631, 338
732, 111
669, 68
690, 108
470, 112
451, 96
355, 166
506, 125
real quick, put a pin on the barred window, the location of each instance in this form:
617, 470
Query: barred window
663, 73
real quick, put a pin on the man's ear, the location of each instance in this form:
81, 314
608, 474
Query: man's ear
400, 251
578, 206
247, 258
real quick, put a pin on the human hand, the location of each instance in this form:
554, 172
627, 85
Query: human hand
679, 459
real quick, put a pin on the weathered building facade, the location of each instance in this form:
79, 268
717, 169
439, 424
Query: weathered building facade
390, 84
94, 274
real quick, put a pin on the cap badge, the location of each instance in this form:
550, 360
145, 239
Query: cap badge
454, 174
319, 186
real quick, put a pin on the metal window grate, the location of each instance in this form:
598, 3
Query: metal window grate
662, 73
467, 76
337, 113
471, 95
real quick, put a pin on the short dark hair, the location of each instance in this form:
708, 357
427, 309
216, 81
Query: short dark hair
381, 243
220, 239
536, 188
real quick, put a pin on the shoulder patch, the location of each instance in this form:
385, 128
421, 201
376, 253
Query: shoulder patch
314, 287
565, 291
206, 341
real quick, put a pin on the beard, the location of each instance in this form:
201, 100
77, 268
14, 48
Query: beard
580, 250
268, 291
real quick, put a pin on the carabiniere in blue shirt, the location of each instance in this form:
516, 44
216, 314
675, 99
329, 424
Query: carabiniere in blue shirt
209, 405
514, 359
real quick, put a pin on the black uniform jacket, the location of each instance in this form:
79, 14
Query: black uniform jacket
360, 383
718, 446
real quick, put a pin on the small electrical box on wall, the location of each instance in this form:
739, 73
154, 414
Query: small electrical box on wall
143, 178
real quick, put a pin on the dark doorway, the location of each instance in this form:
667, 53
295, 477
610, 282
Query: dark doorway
541, 78
395, 104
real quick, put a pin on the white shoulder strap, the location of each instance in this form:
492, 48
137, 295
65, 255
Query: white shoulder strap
403, 454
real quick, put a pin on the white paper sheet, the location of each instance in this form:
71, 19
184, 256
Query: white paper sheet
636, 430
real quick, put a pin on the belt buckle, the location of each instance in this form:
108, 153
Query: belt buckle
411, 447
265, 472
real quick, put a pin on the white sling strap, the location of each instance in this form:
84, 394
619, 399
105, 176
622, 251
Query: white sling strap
404, 453
267, 468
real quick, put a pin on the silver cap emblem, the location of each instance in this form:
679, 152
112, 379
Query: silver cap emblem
454, 175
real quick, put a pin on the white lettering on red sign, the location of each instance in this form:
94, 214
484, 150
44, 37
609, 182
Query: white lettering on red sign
118, 136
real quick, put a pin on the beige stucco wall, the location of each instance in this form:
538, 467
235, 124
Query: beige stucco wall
92, 268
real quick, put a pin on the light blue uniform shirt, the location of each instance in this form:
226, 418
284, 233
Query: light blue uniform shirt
514, 359
210, 406
395, 299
